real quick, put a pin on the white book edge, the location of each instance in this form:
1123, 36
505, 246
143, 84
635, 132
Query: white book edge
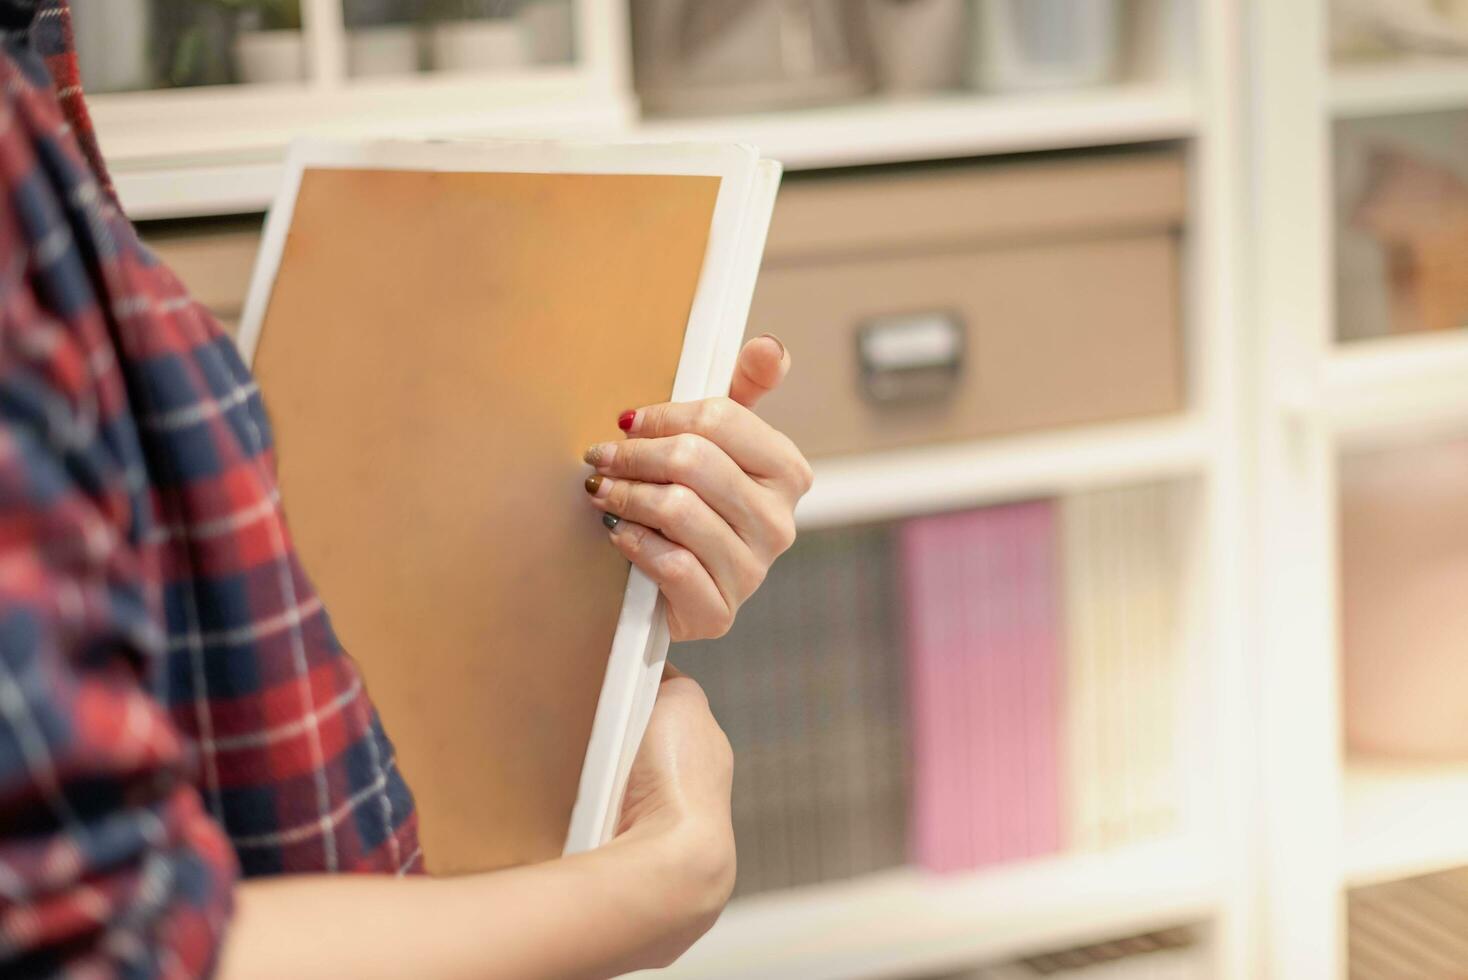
748, 256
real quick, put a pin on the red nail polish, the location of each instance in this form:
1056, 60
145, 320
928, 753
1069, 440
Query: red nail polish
625, 420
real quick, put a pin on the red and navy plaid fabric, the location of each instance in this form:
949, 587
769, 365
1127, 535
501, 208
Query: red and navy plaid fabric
174, 707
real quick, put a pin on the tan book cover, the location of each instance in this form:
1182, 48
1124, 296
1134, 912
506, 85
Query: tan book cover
437, 350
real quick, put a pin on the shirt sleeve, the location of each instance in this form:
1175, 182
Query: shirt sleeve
110, 865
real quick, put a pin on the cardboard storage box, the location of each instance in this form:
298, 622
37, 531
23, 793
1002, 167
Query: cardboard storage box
943, 304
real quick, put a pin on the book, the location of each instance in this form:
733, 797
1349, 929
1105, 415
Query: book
440, 329
808, 687
983, 649
1124, 557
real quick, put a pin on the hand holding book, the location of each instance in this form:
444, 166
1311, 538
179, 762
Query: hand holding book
636, 903
702, 494
678, 804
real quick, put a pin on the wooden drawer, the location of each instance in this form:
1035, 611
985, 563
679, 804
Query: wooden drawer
949, 334
214, 259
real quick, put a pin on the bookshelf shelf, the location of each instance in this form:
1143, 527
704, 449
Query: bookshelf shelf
217, 151
903, 922
1412, 386
956, 125
1404, 820
1401, 86
896, 484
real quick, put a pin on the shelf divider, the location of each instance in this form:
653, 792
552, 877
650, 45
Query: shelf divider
326, 37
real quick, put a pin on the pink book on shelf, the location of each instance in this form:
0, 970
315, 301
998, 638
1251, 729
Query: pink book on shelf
983, 659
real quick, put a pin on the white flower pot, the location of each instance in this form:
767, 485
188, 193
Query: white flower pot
1036, 44
491, 44
112, 44
549, 28
270, 57
919, 45
391, 49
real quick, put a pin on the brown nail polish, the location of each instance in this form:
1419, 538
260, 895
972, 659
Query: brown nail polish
593, 483
592, 455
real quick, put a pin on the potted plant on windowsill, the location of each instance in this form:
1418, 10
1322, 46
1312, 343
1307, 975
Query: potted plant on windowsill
381, 38
476, 35
268, 46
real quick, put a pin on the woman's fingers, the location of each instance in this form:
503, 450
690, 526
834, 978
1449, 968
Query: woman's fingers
759, 514
684, 519
701, 496
755, 447
696, 608
762, 365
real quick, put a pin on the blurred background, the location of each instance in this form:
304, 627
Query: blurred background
1125, 632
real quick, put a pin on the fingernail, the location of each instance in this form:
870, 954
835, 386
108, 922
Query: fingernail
598, 485
601, 454
778, 343
625, 420
611, 521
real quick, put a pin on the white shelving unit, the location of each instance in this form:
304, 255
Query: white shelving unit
1330, 822
185, 153
1278, 822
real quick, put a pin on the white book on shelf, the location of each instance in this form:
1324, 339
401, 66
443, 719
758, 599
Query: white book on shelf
440, 328
1122, 599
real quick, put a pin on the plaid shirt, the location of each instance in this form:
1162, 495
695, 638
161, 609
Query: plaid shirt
174, 707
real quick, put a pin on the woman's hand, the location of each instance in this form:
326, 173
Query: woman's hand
638, 902
677, 805
701, 495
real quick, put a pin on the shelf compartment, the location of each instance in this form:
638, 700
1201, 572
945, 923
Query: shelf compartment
905, 922
1403, 820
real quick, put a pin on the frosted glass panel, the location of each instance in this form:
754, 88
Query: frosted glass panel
1401, 197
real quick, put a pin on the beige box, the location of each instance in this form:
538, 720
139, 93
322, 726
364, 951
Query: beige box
969, 301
